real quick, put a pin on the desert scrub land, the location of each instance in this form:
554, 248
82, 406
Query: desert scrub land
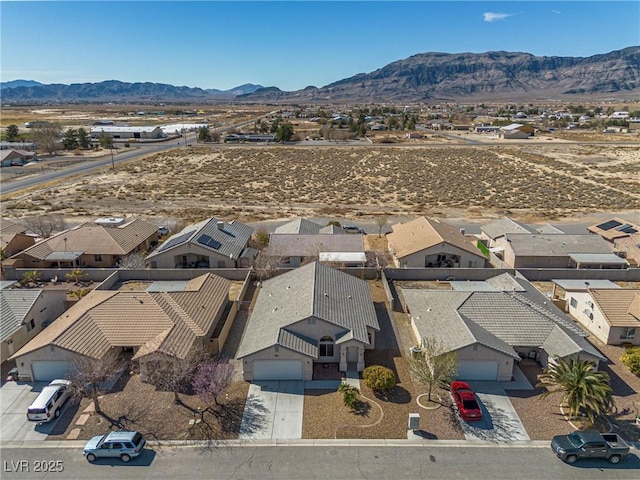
254, 183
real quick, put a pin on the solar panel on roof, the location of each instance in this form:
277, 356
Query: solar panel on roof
208, 241
172, 242
626, 228
609, 225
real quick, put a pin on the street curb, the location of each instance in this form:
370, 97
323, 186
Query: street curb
296, 443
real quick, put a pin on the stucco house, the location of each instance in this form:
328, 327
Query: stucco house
424, 242
13, 238
98, 244
292, 250
493, 325
623, 236
167, 319
211, 243
302, 226
313, 314
558, 251
25, 313
610, 314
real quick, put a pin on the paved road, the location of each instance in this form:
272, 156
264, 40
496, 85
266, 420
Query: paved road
337, 460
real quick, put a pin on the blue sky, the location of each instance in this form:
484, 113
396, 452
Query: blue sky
290, 45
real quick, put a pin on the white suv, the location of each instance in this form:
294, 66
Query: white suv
48, 404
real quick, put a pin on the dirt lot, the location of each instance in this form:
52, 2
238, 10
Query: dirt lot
266, 182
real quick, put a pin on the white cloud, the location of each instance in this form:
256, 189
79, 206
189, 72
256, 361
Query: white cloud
494, 16
556, 11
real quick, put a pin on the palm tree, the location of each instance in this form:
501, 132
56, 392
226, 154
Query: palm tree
584, 388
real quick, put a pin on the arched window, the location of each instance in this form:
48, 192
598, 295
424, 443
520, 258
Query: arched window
326, 347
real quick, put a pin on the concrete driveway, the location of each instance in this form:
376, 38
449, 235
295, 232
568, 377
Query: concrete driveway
15, 398
500, 422
273, 411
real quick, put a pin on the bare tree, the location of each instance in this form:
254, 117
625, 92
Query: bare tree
45, 225
133, 261
47, 137
433, 363
381, 221
266, 263
212, 378
90, 374
170, 373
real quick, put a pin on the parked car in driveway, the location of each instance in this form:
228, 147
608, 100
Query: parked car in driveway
589, 444
48, 404
466, 401
124, 445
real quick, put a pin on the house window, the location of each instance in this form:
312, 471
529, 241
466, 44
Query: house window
97, 258
574, 302
326, 347
31, 324
627, 333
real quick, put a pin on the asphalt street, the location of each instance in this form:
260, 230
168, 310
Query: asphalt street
340, 460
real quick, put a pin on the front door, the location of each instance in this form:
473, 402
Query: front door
352, 354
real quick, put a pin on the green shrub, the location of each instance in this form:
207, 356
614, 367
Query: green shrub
631, 358
350, 394
378, 378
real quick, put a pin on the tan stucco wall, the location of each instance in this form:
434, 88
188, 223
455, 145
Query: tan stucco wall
50, 353
168, 259
418, 259
598, 326
277, 353
480, 352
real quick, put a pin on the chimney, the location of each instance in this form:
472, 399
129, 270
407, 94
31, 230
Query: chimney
220, 225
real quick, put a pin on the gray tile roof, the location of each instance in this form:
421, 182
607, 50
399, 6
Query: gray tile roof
298, 343
289, 245
15, 305
540, 245
503, 226
312, 291
299, 226
524, 317
229, 241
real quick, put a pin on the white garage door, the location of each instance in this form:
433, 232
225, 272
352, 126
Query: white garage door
277, 370
47, 371
477, 370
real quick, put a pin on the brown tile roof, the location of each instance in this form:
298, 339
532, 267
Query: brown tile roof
421, 233
620, 307
157, 321
93, 239
611, 232
7, 226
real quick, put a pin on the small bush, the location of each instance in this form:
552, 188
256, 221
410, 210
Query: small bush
631, 358
378, 378
350, 394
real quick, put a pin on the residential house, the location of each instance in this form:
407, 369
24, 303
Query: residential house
99, 244
516, 131
611, 314
168, 319
25, 312
558, 251
293, 250
424, 242
624, 237
211, 243
12, 157
311, 315
13, 238
302, 226
494, 325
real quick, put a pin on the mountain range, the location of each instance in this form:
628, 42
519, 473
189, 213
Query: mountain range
424, 77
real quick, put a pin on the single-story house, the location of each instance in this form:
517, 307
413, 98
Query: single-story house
293, 250
211, 243
516, 131
493, 234
127, 132
25, 312
623, 235
311, 315
610, 314
168, 318
13, 238
558, 251
99, 244
493, 327
302, 226
15, 157
424, 242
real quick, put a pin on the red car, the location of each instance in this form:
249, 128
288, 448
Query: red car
466, 401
